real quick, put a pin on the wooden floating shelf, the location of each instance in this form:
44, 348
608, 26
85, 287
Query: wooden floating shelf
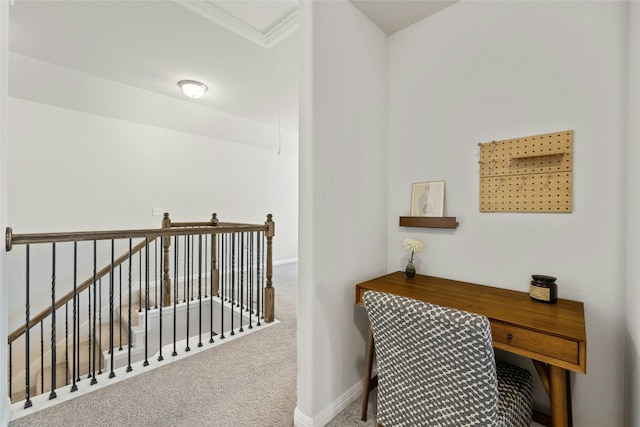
429, 221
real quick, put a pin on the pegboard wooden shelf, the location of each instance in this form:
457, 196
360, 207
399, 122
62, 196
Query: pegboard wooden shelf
529, 174
429, 221
531, 156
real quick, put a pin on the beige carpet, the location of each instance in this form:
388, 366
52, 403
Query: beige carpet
250, 381
352, 413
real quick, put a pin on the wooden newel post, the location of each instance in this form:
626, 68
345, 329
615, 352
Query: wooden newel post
269, 293
8, 239
166, 280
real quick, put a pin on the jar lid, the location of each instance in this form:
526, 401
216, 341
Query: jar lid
543, 279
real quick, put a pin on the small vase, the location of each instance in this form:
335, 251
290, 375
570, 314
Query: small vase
410, 270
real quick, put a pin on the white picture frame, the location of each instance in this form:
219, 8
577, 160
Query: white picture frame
427, 199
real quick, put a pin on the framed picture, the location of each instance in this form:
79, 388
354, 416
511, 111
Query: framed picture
427, 198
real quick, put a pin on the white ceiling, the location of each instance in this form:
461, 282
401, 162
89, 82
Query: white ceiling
394, 15
246, 52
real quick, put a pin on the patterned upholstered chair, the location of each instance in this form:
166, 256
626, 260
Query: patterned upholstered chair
436, 367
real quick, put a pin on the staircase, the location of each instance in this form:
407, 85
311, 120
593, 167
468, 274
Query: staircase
145, 342
199, 281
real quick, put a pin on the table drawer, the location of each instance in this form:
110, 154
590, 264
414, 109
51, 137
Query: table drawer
560, 348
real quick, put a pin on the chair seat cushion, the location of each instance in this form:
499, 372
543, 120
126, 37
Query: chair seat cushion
515, 387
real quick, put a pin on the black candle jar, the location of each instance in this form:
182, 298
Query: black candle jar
543, 288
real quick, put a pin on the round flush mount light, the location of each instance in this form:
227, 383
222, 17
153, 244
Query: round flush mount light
192, 88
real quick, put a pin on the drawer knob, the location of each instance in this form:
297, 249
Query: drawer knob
509, 336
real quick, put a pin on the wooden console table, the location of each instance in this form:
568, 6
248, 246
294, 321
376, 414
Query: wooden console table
553, 336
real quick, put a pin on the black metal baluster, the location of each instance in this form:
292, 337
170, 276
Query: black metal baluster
222, 285
139, 281
193, 242
155, 271
230, 269
66, 342
10, 371
238, 267
211, 272
185, 283
249, 273
111, 309
175, 293
95, 307
260, 276
99, 326
42, 355
264, 271
160, 358
233, 279
27, 334
129, 332
243, 272
188, 269
146, 304
53, 394
76, 321
120, 308
241, 285
205, 262
199, 290
89, 293
251, 278
223, 268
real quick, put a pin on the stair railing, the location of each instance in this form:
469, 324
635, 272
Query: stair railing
219, 269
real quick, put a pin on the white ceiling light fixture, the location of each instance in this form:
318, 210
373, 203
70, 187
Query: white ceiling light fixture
192, 88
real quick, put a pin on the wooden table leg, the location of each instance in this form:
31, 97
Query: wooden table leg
368, 364
569, 407
558, 396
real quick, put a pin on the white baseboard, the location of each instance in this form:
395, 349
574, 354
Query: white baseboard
331, 411
16, 410
4, 418
300, 419
285, 261
336, 407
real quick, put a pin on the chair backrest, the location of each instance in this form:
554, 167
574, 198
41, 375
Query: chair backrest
436, 365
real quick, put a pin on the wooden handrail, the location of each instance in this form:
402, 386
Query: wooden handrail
253, 254
22, 239
212, 222
172, 229
84, 285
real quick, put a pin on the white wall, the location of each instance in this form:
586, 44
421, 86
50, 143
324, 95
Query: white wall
72, 171
342, 200
52, 84
103, 161
4, 300
79, 171
632, 345
483, 71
